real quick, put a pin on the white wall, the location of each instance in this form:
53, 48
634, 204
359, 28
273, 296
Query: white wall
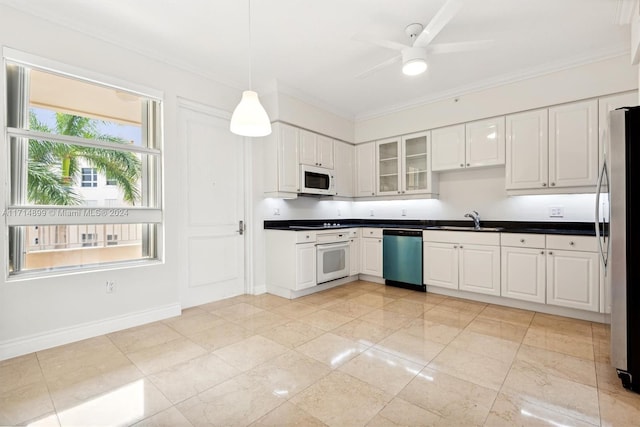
587, 81
49, 311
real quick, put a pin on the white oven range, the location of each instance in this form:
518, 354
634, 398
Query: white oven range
332, 252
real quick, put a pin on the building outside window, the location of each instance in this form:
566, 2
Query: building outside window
66, 133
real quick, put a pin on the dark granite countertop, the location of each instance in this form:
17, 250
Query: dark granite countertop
539, 227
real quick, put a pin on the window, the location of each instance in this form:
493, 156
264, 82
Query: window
65, 134
89, 239
89, 177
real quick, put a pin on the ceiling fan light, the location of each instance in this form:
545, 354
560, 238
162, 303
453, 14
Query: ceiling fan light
414, 67
250, 118
414, 61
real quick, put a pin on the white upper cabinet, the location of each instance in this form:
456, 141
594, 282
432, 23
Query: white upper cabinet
573, 144
485, 144
403, 165
448, 148
281, 168
344, 169
527, 150
474, 144
365, 169
554, 149
316, 150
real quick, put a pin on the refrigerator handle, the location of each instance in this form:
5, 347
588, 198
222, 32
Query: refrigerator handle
601, 176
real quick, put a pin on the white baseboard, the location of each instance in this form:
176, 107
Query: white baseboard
37, 342
259, 290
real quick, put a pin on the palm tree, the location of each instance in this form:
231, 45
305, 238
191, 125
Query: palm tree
53, 167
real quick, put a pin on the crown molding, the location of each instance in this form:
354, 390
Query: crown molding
501, 80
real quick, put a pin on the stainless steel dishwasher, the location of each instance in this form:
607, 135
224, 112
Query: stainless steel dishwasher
402, 258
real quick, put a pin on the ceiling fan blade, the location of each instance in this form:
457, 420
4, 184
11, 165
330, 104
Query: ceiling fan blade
388, 44
459, 46
437, 23
378, 67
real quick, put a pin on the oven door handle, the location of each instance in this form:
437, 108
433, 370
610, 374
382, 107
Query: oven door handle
333, 245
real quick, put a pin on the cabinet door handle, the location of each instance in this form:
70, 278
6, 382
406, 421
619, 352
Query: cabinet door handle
521, 240
550, 253
544, 184
553, 184
461, 247
455, 246
461, 165
373, 194
571, 244
541, 252
468, 164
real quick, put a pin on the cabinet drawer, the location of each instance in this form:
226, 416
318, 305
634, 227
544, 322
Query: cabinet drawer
572, 243
353, 232
468, 237
305, 237
372, 232
522, 240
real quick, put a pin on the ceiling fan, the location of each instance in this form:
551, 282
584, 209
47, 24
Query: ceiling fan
414, 55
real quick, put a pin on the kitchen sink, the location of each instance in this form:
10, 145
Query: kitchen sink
468, 228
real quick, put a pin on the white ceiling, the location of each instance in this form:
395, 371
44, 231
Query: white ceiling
309, 47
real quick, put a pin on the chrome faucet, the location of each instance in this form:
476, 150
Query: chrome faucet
475, 216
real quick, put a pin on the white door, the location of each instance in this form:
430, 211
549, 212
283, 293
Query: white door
527, 159
448, 148
212, 204
324, 152
523, 274
365, 169
485, 142
305, 265
308, 148
371, 260
573, 279
480, 269
573, 144
344, 169
440, 263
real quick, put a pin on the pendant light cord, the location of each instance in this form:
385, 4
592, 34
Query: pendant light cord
250, 50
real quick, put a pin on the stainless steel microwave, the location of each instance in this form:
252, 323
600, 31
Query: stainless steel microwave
315, 180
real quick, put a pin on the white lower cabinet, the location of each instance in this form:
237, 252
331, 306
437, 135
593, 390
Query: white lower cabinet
523, 267
354, 254
573, 279
468, 261
371, 252
290, 261
479, 269
305, 266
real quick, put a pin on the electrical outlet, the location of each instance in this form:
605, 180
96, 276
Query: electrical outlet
404, 212
339, 213
371, 212
110, 286
276, 211
556, 212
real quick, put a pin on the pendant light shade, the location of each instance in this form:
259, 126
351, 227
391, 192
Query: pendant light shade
250, 118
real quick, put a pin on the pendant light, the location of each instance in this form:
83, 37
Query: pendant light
250, 118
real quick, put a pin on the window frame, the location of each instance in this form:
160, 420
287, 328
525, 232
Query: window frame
152, 197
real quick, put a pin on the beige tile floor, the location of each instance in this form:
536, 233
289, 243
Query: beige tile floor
359, 354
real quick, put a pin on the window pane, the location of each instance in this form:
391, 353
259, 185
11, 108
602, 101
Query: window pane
50, 247
64, 174
66, 106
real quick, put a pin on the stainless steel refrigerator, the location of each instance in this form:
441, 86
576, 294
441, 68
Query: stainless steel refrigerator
619, 231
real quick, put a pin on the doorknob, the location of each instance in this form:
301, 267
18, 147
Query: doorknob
240, 229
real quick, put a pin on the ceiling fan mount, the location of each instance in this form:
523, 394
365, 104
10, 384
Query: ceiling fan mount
413, 31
